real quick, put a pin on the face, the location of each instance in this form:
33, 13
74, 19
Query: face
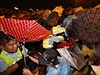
70, 12
11, 46
53, 22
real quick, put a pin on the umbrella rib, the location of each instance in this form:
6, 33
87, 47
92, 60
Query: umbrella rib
87, 18
94, 15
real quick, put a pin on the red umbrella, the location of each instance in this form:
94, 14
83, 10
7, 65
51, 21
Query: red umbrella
23, 30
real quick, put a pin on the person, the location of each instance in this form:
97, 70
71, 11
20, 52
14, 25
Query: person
52, 18
96, 47
70, 16
53, 40
56, 65
11, 56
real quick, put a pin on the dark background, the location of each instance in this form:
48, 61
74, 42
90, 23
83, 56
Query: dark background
47, 4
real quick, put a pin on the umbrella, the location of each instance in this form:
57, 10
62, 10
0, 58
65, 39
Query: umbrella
24, 30
87, 26
73, 59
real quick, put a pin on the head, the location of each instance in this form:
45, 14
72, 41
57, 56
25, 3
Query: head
66, 12
46, 13
48, 57
8, 43
53, 19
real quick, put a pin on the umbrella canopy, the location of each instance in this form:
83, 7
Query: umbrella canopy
24, 30
87, 25
73, 59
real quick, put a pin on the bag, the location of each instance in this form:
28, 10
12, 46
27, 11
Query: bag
63, 68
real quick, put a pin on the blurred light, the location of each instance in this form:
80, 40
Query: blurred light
37, 10
16, 8
31, 9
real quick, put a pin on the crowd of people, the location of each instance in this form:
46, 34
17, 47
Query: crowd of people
62, 36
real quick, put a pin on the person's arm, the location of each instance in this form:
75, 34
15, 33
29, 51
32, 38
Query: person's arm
34, 59
9, 70
62, 41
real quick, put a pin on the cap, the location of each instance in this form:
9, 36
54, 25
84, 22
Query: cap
48, 56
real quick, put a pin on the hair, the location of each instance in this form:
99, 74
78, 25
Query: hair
4, 38
52, 18
65, 12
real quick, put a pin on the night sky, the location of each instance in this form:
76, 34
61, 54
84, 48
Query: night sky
47, 4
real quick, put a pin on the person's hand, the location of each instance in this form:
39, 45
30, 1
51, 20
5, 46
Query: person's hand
29, 63
27, 72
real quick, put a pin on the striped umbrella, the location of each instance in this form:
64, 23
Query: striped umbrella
24, 30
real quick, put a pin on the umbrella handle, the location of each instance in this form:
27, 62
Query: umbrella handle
24, 55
